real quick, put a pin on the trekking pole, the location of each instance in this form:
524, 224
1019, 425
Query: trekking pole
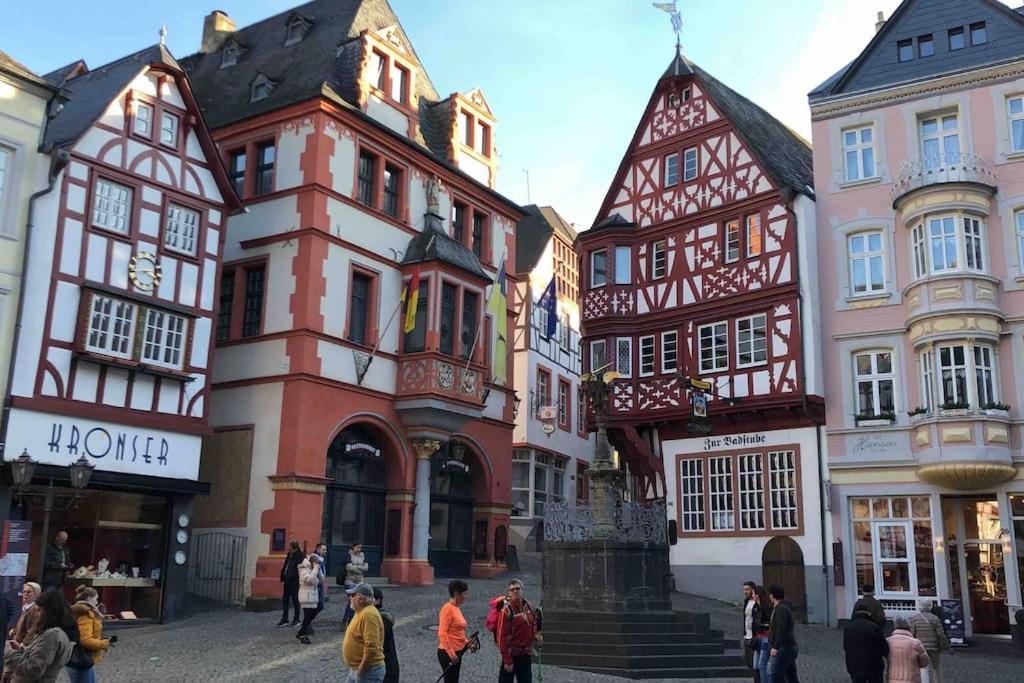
473, 646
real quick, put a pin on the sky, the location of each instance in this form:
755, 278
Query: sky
567, 79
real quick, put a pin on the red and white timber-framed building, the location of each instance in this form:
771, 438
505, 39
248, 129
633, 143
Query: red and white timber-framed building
698, 267
116, 326
333, 133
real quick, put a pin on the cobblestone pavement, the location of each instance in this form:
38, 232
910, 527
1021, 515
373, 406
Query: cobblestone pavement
229, 645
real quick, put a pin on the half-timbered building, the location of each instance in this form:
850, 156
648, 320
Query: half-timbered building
341, 416
113, 356
698, 273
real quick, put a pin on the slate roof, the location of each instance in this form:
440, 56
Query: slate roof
616, 220
92, 92
15, 68
433, 245
533, 233
60, 75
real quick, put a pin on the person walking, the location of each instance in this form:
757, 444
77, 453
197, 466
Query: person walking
865, 648
89, 619
56, 562
751, 617
518, 629
354, 569
451, 631
290, 584
309, 595
781, 637
363, 645
27, 625
868, 603
391, 669
927, 628
907, 655
44, 658
763, 654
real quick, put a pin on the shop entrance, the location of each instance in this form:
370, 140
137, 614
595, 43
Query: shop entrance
977, 568
782, 564
451, 512
354, 502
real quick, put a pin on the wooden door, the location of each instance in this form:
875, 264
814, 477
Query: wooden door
782, 564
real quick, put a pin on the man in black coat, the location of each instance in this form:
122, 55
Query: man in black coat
782, 638
869, 604
290, 579
865, 647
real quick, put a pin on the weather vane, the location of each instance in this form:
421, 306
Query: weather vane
677, 18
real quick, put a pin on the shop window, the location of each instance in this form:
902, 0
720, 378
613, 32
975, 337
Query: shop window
521, 483
691, 494
750, 473
893, 544
181, 229
112, 206
720, 493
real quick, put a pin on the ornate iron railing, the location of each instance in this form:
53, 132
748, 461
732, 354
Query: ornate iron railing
631, 522
959, 167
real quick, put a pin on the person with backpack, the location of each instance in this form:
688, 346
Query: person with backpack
391, 670
927, 628
517, 630
290, 581
451, 632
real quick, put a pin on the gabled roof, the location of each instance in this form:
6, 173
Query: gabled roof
878, 65
433, 245
533, 233
92, 92
616, 220
13, 67
67, 72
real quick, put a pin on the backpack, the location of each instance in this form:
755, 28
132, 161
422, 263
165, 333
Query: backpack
497, 605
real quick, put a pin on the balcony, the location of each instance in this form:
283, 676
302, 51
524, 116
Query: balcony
961, 167
438, 393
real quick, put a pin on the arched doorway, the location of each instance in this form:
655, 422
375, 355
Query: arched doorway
354, 503
451, 511
782, 564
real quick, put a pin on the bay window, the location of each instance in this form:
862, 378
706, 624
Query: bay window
164, 339
984, 377
953, 375
622, 265
599, 268
957, 364
598, 354
111, 326
1019, 222
624, 356
927, 363
873, 379
647, 355
945, 244
867, 270
893, 545
111, 331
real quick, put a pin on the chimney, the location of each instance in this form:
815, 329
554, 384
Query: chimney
878, 24
217, 26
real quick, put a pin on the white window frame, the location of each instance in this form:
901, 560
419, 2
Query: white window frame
146, 129
646, 355
718, 362
974, 243
942, 137
107, 199
691, 495
732, 240
169, 129
750, 478
690, 165
671, 169
722, 508
564, 414
952, 368
753, 223
623, 265
181, 234
865, 258
859, 154
659, 259
910, 560
926, 363
1019, 231
919, 251
164, 339
8, 176
960, 239
523, 456
107, 318
1015, 119
875, 378
593, 273
594, 346
782, 489
757, 353
985, 375
666, 354
624, 368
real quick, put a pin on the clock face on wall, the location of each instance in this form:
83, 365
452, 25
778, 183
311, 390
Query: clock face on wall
144, 271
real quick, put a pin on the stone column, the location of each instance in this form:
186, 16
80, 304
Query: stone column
607, 492
424, 449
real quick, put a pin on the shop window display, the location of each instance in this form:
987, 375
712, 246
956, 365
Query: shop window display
893, 547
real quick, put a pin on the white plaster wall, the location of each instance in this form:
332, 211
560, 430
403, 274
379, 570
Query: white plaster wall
248, 361
474, 168
261, 220
388, 115
364, 230
338, 363
810, 293
342, 162
291, 143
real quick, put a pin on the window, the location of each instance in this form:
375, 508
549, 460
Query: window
143, 119
859, 153
690, 164
669, 351
624, 356
236, 171
447, 330
564, 332
599, 268
265, 168
416, 339
459, 212
867, 273
953, 375
367, 174
752, 340
378, 70
226, 301
295, 30
5, 163
400, 85
392, 183
582, 481
467, 129
671, 169
732, 241
169, 129
957, 40
470, 330
598, 354
1019, 219
482, 140
920, 252
972, 243
978, 35
714, 347
543, 389
927, 381
540, 483
478, 233
659, 261
181, 229
164, 339
955, 364
942, 242
984, 376
564, 406
874, 381
622, 265
230, 55
647, 355
261, 88
112, 205
1015, 116
893, 544
581, 415
953, 243
782, 482
252, 315
720, 493
905, 50
359, 308
754, 235
111, 328
925, 46
940, 140
520, 482
751, 491
691, 494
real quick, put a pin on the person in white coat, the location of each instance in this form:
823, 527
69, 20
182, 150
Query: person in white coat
310, 577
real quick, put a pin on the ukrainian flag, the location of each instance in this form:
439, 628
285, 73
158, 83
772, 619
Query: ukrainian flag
497, 306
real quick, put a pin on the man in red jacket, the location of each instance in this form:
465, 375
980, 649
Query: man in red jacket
517, 630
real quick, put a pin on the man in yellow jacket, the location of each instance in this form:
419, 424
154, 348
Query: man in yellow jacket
363, 647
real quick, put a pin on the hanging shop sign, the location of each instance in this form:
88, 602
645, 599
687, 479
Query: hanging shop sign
699, 424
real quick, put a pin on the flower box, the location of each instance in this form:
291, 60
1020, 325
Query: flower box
879, 422
997, 412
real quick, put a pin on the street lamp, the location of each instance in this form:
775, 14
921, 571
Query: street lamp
22, 469
81, 471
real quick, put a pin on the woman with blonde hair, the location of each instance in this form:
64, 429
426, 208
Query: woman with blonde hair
86, 611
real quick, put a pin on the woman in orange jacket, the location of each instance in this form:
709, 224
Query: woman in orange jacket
87, 615
451, 632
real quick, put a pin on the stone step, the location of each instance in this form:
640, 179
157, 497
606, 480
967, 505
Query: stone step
628, 650
557, 638
688, 673
568, 626
633, 662
619, 617
381, 582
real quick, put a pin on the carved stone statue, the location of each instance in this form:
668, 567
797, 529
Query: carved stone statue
434, 188
597, 389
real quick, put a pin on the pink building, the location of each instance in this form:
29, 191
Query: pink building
919, 173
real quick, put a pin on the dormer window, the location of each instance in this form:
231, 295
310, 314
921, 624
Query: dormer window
296, 30
230, 54
261, 88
